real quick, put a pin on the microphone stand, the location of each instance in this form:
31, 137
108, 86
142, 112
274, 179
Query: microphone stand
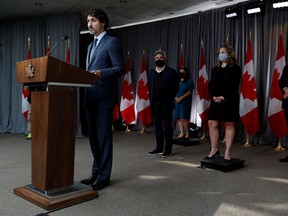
64, 38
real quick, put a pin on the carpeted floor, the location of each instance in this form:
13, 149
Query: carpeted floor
150, 185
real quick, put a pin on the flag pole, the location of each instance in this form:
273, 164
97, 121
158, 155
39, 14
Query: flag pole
280, 147
127, 129
227, 39
247, 144
142, 130
203, 138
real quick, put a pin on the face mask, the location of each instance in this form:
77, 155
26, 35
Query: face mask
223, 56
182, 75
160, 63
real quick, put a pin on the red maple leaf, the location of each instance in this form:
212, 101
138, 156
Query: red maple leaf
275, 89
127, 90
203, 88
143, 92
248, 87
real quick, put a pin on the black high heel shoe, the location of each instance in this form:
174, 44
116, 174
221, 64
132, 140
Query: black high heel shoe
216, 154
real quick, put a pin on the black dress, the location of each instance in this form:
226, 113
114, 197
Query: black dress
225, 82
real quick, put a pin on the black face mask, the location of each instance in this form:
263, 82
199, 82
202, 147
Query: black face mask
182, 75
160, 63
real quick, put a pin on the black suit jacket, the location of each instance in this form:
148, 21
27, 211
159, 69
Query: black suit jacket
170, 86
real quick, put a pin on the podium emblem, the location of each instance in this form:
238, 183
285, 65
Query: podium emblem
30, 70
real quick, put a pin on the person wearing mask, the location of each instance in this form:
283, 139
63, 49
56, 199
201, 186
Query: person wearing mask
283, 84
163, 86
105, 60
224, 93
183, 102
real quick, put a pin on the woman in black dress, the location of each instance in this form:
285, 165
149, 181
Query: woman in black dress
224, 94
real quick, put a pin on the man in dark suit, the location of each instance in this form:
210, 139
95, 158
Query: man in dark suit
283, 84
105, 60
163, 87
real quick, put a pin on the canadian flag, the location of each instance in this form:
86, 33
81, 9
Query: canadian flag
143, 107
26, 91
68, 52
202, 94
127, 98
115, 115
248, 98
275, 112
48, 46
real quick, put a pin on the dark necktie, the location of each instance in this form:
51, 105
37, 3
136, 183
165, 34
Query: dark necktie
93, 48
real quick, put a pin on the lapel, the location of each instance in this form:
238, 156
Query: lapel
99, 47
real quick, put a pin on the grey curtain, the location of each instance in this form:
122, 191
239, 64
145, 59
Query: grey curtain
213, 27
14, 47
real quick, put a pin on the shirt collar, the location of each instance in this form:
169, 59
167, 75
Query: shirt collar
159, 71
100, 36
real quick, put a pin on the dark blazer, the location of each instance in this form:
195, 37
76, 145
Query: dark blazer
283, 82
170, 86
108, 58
100, 100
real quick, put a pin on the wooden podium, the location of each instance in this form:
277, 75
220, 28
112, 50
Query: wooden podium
54, 126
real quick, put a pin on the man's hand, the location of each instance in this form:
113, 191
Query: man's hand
97, 73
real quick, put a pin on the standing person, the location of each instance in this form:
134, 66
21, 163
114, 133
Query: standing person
283, 84
183, 102
105, 61
224, 93
163, 86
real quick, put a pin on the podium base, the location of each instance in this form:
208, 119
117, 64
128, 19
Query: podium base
186, 142
220, 164
71, 195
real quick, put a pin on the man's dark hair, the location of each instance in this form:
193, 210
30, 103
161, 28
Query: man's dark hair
100, 15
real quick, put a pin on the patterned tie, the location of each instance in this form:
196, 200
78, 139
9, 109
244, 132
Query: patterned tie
93, 48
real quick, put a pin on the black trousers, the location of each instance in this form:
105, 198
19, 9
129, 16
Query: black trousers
162, 117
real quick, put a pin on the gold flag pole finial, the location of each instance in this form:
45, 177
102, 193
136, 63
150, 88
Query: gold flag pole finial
143, 52
29, 42
250, 34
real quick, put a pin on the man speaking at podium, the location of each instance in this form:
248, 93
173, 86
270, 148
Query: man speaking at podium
105, 60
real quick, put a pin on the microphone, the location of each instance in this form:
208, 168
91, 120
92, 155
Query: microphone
64, 38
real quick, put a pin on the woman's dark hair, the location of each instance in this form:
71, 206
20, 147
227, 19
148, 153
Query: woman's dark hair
231, 56
186, 72
100, 15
